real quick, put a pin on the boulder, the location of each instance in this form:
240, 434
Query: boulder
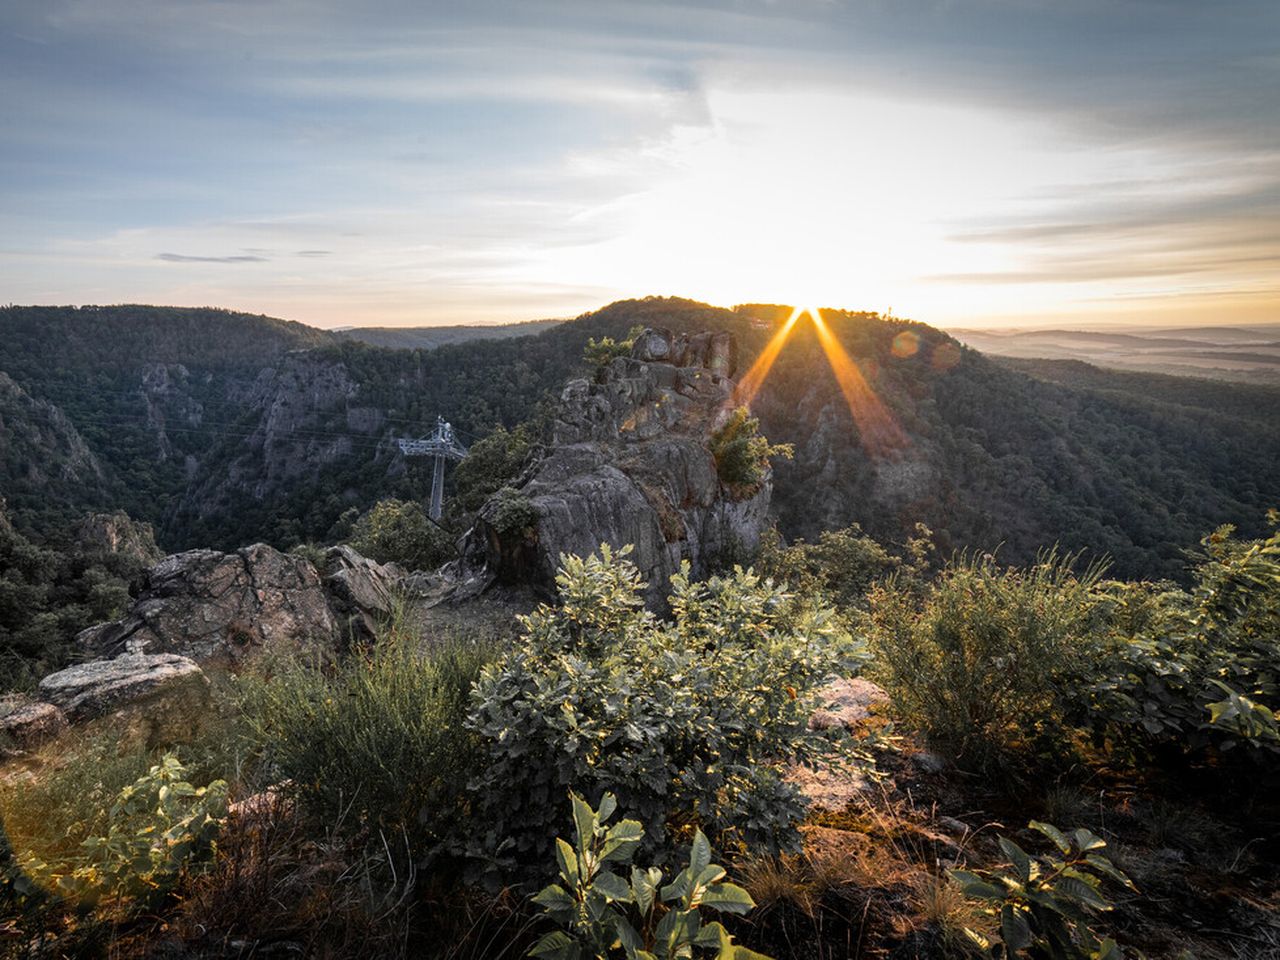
27, 723
210, 606
629, 463
846, 703
94, 689
362, 593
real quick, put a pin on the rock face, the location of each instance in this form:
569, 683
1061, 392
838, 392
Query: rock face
361, 592
119, 535
629, 464
221, 606
90, 690
26, 723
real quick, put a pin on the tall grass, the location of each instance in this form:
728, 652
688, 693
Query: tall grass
377, 742
985, 662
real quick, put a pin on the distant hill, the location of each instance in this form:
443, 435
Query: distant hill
1243, 354
428, 338
222, 428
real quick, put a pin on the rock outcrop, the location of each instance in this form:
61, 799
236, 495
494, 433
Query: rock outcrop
361, 592
212, 606
27, 723
89, 690
117, 534
629, 464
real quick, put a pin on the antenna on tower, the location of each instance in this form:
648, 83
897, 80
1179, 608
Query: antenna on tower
442, 445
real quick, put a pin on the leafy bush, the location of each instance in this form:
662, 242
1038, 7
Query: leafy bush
686, 719
1045, 904
376, 743
513, 512
602, 352
491, 464
1196, 670
743, 453
987, 660
842, 565
158, 827
588, 905
399, 531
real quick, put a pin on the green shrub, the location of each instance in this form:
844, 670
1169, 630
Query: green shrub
842, 565
376, 743
600, 353
987, 660
743, 453
1196, 670
157, 827
399, 531
513, 512
686, 719
1045, 905
665, 919
491, 464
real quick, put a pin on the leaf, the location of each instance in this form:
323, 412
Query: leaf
972, 885
1014, 928
608, 804
1018, 857
554, 898
699, 853
1103, 865
557, 946
1086, 840
1080, 891
584, 821
612, 886
644, 887
727, 898
568, 861
1053, 833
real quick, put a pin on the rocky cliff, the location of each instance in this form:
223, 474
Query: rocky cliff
629, 463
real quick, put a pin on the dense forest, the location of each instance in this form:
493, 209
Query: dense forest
222, 428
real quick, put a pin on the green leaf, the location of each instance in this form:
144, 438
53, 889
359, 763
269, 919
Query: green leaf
1018, 857
608, 804
1014, 928
1086, 840
568, 862
612, 886
727, 898
1053, 833
556, 946
1080, 891
1103, 865
584, 821
644, 887
699, 853
972, 885
554, 897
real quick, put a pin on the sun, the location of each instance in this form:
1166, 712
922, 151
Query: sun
878, 429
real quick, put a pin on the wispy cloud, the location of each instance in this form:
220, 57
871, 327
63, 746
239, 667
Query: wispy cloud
186, 258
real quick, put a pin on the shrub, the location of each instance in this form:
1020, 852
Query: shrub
666, 918
376, 743
1196, 670
491, 464
1045, 905
513, 512
399, 531
743, 453
842, 565
600, 353
157, 827
987, 660
686, 719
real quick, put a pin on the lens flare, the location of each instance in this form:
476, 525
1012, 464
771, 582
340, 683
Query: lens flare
753, 379
879, 430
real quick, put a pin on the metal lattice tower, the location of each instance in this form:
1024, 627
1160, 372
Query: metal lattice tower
442, 445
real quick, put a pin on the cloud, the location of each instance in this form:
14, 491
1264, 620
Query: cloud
314, 253
185, 258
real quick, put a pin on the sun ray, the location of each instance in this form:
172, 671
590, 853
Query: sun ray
753, 379
879, 430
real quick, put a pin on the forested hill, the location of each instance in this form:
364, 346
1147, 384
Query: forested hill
222, 428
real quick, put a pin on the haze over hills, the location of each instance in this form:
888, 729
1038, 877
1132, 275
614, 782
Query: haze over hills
1246, 354
223, 428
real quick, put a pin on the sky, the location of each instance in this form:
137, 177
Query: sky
412, 162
